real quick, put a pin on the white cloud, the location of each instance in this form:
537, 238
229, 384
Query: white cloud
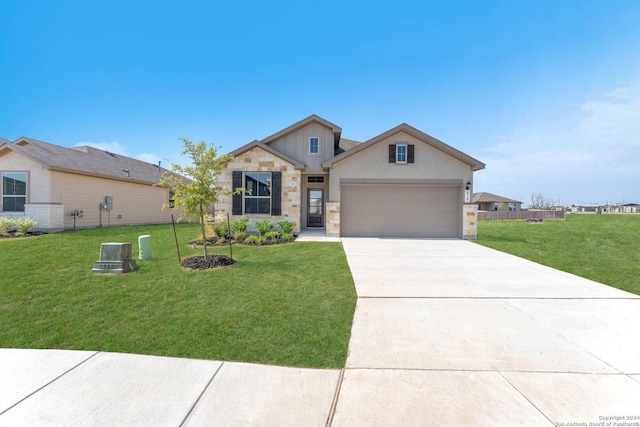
595, 158
113, 147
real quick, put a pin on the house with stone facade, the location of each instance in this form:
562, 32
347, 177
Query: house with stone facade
401, 183
81, 187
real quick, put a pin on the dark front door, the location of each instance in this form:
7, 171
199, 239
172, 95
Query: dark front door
315, 207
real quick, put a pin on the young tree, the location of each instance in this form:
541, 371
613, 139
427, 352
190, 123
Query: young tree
201, 190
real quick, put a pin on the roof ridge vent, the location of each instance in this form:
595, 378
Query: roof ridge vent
110, 153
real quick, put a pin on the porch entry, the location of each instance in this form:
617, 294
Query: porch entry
315, 207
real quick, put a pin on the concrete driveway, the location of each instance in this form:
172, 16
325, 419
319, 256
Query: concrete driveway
447, 332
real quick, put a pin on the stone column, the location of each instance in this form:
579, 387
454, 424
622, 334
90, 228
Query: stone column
469, 221
332, 222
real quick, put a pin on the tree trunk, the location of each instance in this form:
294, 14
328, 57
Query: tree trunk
204, 236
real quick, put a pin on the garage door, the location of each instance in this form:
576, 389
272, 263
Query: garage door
400, 211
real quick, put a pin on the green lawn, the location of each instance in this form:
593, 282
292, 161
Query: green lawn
604, 248
288, 305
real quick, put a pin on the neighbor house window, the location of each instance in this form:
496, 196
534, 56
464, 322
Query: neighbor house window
401, 154
172, 201
314, 145
14, 191
257, 193
512, 207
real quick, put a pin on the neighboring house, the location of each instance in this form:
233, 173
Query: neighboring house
627, 208
491, 202
401, 183
590, 208
83, 186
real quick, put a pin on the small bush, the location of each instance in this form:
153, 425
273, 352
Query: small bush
239, 226
6, 224
239, 235
251, 239
25, 225
287, 237
261, 240
271, 235
286, 227
221, 229
264, 227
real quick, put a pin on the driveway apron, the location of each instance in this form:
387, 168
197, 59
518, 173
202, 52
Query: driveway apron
448, 332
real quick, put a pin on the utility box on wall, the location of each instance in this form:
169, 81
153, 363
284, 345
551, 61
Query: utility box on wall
108, 203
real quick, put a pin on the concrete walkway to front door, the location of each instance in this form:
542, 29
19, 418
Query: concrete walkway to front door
447, 332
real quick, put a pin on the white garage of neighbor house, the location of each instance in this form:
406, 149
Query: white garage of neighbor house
401, 183
81, 187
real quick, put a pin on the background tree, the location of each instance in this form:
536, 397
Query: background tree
538, 201
198, 192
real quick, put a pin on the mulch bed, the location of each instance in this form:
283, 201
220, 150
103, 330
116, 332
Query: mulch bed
216, 241
212, 261
14, 233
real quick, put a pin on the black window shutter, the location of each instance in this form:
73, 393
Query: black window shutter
392, 153
236, 202
276, 193
410, 153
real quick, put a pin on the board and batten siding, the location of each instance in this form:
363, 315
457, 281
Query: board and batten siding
133, 203
296, 146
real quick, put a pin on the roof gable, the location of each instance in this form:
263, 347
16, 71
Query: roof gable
268, 149
337, 130
419, 135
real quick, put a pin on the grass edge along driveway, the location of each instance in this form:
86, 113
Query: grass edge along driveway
603, 248
289, 305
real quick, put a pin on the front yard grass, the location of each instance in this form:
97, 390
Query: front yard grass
604, 248
289, 305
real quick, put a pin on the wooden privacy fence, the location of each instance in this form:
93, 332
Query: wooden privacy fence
504, 215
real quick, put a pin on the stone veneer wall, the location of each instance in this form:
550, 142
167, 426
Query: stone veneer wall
258, 160
333, 219
469, 221
50, 218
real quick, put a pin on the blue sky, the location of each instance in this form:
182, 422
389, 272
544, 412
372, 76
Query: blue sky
546, 93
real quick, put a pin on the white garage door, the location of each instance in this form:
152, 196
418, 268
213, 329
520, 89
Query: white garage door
400, 211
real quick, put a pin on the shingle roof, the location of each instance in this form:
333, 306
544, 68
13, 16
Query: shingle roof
88, 161
484, 197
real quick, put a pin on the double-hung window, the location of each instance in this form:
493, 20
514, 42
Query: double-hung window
14, 191
401, 154
314, 145
257, 193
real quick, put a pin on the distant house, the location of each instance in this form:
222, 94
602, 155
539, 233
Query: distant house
400, 183
627, 208
491, 202
588, 208
82, 187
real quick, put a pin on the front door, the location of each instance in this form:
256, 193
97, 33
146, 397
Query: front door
315, 207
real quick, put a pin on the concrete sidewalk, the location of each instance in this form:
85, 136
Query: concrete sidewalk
446, 332
65, 388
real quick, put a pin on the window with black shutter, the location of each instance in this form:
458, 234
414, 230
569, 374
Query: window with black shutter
392, 153
236, 202
276, 193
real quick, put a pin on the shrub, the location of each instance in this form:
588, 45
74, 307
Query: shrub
287, 237
25, 225
261, 240
251, 239
264, 226
286, 227
239, 226
221, 229
6, 224
240, 235
271, 235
